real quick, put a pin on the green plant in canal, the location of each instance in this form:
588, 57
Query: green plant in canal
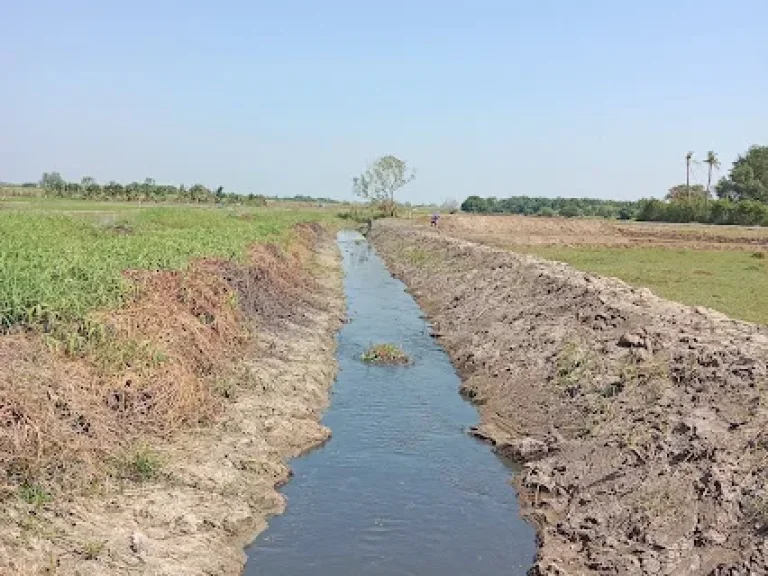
385, 354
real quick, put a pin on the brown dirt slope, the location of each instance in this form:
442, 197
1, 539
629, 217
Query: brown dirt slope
514, 230
170, 467
642, 421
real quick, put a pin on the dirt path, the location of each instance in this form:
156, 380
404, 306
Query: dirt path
218, 485
642, 421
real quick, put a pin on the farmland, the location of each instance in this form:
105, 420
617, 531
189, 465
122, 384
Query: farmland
61, 259
721, 267
137, 350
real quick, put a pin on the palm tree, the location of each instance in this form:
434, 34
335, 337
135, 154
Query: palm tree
714, 164
688, 158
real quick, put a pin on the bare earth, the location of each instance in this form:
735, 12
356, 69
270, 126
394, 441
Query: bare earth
219, 484
527, 230
641, 421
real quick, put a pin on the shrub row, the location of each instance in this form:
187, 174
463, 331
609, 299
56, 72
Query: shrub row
745, 213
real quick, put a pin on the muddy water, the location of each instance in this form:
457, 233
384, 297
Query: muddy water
400, 489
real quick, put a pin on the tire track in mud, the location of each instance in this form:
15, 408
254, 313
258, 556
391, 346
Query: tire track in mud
641, 421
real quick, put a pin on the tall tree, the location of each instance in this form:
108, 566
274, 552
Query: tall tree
713, 163
52, 181
381, 180
748, 179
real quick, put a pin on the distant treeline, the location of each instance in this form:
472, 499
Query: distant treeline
745, 212
696, 209
568, 207
742, 198
53, 185
302, 198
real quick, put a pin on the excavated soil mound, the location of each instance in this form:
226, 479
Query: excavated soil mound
641, 422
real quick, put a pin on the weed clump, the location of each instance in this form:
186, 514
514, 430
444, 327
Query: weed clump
572, 368
141, 465
34, 494
78, 397
389, 354
91, 550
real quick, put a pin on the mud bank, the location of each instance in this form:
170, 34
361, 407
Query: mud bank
216, 484
641, 421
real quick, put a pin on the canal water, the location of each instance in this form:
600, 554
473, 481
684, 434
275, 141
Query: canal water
400, 489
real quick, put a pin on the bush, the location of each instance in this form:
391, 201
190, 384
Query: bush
744, 213
626, 214
570, 211
530, 205
751, 213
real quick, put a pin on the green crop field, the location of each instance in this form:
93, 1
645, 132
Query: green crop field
61, 259
733, 282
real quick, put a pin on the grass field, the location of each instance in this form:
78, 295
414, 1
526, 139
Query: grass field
733, 282
61, 259
721, 267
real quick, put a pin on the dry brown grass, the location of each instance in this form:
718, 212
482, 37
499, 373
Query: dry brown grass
70, 415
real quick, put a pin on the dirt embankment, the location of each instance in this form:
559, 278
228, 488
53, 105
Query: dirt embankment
156, 447
514, 230
642, 422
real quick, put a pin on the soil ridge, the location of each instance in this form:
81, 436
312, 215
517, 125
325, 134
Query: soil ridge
641, 422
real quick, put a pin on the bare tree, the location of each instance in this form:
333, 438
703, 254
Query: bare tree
450, 206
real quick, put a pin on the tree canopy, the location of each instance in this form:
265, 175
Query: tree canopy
381, 180
748, 179
685, 192
569, 207
88, 188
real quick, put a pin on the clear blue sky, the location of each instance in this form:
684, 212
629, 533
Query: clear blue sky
588, 98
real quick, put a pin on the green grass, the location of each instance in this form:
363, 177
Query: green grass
142, 464
34, 494
385, 354
57, 264
732, 282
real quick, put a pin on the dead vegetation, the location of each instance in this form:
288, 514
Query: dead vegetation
80, 407
154, 441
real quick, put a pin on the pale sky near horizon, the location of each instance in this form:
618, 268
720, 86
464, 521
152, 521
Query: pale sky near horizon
495, 98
